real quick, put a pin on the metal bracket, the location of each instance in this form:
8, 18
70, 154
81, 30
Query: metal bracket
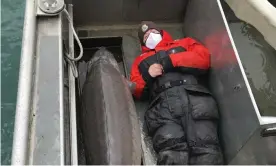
50, 7
269, 132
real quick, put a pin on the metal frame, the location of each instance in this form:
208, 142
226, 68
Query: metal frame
240, 64
241, 121
23, 107
39, 122
262, 141
72, 98
46, 140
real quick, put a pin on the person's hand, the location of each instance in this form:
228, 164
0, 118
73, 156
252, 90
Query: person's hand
155, 70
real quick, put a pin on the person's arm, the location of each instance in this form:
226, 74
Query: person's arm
139, 84
137, 79
196, 55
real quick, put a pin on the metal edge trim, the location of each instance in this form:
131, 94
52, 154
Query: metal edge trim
268, 120
61, 86
72, 97
266, 9
240, 64
23, 106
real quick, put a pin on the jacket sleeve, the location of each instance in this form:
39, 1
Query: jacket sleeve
196, 55
136, 77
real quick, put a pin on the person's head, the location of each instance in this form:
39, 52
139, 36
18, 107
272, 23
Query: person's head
149, 34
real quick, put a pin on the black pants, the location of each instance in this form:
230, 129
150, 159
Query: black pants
183, 126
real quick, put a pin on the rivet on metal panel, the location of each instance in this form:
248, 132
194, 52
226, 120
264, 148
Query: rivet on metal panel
51, 6
237, 87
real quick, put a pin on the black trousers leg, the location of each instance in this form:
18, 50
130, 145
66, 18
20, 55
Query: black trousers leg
205, 149
169, 140
170, 144
202, 131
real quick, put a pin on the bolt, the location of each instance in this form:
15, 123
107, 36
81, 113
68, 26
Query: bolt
50, 3
237, 87
46, 4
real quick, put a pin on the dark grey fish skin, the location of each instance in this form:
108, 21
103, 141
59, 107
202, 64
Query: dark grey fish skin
108, 116
103, 56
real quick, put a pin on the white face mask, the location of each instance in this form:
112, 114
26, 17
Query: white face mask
153, 40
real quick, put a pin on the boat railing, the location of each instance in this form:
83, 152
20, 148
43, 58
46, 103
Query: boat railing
45, 123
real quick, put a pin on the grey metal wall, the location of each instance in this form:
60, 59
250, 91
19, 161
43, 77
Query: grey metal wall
91, 12
46, 141
238, 116
258, 150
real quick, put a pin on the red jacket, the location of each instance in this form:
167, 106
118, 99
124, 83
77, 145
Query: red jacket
195, 56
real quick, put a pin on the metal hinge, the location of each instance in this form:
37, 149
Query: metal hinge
50, 7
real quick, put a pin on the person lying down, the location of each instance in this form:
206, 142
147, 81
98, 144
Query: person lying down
182, 116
